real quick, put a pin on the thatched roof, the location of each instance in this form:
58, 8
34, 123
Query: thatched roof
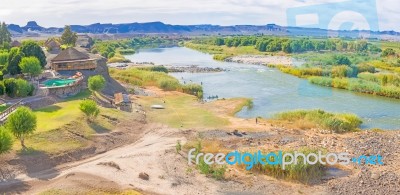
70, 54
15, 43
51, 43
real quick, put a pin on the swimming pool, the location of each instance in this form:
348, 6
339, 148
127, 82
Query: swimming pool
58, 82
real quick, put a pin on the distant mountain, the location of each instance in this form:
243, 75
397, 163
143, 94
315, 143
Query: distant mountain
205, 29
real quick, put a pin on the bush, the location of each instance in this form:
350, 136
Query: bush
23, 88
11, 87
337, 123
341, 71
2, 88
96, 83
221, 57
193, 89
3, 58
365, 68
168, 84
300, 172
323, 81
90, 109
151, 77
6, 140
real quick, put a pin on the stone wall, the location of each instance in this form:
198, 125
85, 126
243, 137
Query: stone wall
66, 91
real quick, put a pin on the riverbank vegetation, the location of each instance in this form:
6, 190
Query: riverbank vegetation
114, 50
157, 78
336, 122
350, 64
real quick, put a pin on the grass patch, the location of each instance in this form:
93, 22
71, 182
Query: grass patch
302, 172
62, 127
72, 135
181, 110
338, 123
157, 78
3, 107
247, 102
215, 171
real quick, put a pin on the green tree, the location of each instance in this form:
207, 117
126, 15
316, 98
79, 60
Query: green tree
31, 48
68, 37
21, 123
4, 58
342, 60
96, 83
10, 87
14, 58
5, 35
89, 108
2, 88
30, 66
388, 52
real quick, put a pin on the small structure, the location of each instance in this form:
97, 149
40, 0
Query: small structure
122, 101
84, 41
52, 45
15, 43
72, 59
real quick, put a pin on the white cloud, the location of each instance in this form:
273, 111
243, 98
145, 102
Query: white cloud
223, 12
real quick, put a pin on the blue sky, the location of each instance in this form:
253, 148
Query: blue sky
222, 12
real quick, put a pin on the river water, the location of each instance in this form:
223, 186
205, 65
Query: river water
271, 90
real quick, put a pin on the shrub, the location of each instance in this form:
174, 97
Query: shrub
168, 84
23, 88
96, 83
193, 89
2, 88
90, 109
11, 87
215, 171
341, 71
6, 140
300, 172
365, 68
337, 123
3, 58
221, 57
323, 81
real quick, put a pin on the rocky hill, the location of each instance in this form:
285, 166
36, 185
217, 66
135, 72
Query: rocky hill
33, 29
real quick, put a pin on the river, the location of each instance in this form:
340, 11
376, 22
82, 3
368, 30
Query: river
271, 90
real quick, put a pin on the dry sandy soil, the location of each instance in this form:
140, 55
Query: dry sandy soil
150, 149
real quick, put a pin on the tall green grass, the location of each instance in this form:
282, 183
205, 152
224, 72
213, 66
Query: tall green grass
155, 77
301, 172
336, 122
363, 85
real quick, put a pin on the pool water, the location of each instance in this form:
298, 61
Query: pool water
58, 82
